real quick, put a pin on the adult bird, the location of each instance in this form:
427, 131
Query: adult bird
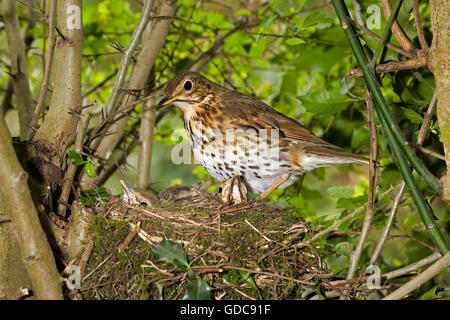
232, 132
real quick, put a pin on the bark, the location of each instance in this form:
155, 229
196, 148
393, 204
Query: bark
59, 126
440, 65
18, 68
153, 40
13, 274
35, 250
79, 231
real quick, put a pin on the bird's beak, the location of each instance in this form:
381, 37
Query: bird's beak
166, 101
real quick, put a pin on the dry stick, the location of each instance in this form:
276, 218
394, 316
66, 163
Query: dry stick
395, 273
373, 173
85, 257
113, 100
355, 213
133, 233
19, 69
415, 283
390, 67
34, 247
48, 66
396, 30
71, 170
428, 152
388, 225
419, 28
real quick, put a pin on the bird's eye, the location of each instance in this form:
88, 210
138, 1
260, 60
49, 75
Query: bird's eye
188, 85
143, 203
220, 189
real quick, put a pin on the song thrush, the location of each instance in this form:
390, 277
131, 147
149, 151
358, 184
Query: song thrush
231, 132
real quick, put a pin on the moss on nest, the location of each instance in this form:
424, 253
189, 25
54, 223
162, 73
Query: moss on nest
222, 249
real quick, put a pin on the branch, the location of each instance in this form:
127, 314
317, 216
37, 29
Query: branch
34, 247
146, 131
387, 228
419, 28
390, 67
113, 100
19, 70
394, 135
60, 124
350, 216
48, 66
71, 170
396, 30
373, 176
415, 283
377, 38
153, 40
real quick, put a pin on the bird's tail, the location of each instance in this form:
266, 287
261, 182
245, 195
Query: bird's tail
314, 156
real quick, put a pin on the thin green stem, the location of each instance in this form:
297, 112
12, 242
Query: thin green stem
393, 134
383, 108
385, 35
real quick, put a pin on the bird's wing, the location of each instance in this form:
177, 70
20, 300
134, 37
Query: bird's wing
253, 113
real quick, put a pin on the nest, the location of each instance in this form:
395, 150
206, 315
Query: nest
253, 254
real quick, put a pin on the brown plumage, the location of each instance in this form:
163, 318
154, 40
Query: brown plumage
232, 132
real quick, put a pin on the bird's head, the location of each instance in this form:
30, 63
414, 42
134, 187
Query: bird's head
186, 90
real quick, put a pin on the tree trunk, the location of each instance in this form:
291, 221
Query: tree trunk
57, 132
440, 64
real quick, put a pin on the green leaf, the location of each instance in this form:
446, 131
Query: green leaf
171, 252
198, 289
243, 12
325, 102
295, 41
73, 155
89, 168
266, 26
258, 48
411, 115
340, 192
247, 278
360, 136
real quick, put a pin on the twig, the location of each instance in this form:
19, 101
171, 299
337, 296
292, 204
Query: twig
85, 257
262, 235
48, 66
377, 38
127, 54
388, 225
390, 67
428, 152
391, 18
415, 283
396, 30
100, 84
96, 268
355, 213
130, 237
419, 28
373, 176
71, 170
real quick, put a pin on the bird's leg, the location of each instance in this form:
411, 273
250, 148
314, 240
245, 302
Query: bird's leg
283, 178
